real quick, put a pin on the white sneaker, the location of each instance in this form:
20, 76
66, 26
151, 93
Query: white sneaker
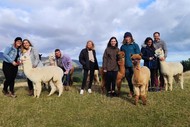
89, 91
81, 91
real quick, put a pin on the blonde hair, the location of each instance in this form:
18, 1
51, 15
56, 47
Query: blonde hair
93, 47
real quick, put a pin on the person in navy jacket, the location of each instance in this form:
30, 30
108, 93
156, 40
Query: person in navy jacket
148, 51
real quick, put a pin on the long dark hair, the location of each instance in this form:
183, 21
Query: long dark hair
109, 42
148, 39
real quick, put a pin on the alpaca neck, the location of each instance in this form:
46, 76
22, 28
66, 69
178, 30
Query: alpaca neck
163, 66
27, 66
122, 66
137, 72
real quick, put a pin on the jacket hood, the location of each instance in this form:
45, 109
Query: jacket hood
143, 45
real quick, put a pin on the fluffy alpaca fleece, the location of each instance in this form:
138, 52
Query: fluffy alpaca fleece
47, 74
52, 62
170, 70
120, 74
140, 79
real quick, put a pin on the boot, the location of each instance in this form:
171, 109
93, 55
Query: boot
66, 88
136, 99
30, 92
143, 100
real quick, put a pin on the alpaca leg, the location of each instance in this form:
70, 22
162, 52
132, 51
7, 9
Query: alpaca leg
53, 88
143, 99
137, 93
181, 80
170, 82
118, 82
39, 89
166, 83
35, 90
60, 87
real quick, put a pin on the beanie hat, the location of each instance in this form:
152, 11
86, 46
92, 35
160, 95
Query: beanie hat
18, 38
127, 34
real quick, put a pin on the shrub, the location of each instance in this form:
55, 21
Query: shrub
76, 79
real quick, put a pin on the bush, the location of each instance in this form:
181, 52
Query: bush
76, 79
186, 65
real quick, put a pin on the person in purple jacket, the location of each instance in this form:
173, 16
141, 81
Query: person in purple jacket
65, 63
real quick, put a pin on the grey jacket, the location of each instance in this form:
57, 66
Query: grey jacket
161, 44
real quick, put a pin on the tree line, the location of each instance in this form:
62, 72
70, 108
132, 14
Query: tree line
186, 64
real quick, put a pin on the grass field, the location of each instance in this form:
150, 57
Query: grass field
164, 109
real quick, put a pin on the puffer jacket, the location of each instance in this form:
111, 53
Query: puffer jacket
148, 52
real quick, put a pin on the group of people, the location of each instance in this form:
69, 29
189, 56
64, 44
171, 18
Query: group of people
110, 67
87, 58
11, 62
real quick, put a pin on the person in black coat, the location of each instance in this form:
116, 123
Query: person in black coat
89, 62
150, 61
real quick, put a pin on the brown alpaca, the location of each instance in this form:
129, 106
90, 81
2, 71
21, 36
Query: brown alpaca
120, 75
140, 79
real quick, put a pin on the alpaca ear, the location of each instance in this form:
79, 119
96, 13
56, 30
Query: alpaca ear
131, 54
141, 54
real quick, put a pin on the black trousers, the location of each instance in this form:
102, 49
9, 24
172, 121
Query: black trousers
85, 75
30, 84
111, 80
10, 72
128, 75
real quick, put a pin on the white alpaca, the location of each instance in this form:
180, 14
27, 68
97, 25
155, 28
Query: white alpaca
47, 74
50, 61
170, 70
96, 77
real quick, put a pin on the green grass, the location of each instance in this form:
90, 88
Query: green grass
164, 109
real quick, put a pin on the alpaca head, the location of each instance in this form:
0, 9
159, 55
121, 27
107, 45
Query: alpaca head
159, 53
136, 59
52, 56
25, 58
120, 55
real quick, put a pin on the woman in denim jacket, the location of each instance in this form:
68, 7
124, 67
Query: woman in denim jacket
28, 49
10, 66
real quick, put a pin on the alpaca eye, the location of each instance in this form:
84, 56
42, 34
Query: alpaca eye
24, 56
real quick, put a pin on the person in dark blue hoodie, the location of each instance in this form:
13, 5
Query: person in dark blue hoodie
129, 47
148, 51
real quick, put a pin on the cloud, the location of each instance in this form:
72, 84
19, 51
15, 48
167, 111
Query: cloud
69, 24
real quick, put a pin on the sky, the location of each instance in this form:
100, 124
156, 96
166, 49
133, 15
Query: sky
69, 24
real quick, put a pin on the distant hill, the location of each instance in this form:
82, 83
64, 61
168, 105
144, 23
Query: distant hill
76, 63
1, 55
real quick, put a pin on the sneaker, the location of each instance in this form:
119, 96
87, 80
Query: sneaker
5, 92
109, 94
89, 91
114, 94
66, 88
81, 91
13, 95
130, 95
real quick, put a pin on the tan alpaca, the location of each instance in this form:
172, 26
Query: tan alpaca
140, 79
120, 74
